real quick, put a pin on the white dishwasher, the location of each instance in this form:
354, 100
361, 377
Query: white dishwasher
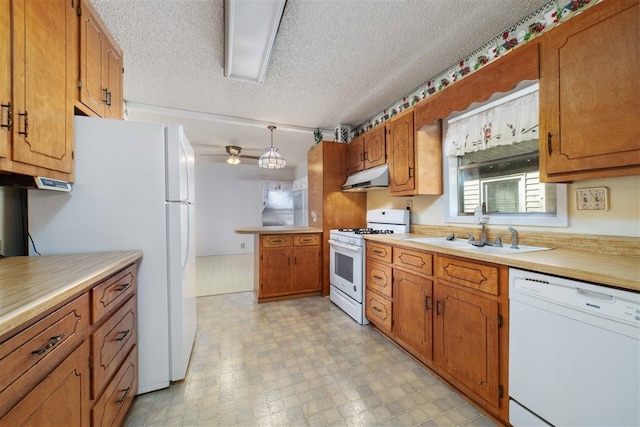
574, 353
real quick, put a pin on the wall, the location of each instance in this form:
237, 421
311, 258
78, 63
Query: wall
228, 197
622, 218
10, 222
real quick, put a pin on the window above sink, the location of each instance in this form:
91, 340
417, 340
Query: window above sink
492, 157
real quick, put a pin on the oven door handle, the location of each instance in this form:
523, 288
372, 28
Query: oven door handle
343, 246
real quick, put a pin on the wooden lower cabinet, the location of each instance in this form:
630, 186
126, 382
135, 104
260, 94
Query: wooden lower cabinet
289, 266
412, 317
466, 340
65, 369
62, 398
448, 312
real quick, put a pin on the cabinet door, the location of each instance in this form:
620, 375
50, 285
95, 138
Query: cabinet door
375, 147
401, 155
62, 398
275, 272
413, 306
466, 340
356, 155
43, 110
307, 269
93, 92
113, 76
589, 120
5, 77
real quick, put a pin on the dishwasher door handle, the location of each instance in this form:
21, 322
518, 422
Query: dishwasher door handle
597, 296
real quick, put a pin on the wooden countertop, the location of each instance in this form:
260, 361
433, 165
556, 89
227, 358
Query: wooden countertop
277, 229
610, 270
30, 285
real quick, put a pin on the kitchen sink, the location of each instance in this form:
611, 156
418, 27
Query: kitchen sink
462, 244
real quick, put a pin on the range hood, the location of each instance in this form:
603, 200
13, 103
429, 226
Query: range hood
376, 178
37, 182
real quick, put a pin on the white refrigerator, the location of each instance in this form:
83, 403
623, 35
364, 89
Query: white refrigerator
134, 189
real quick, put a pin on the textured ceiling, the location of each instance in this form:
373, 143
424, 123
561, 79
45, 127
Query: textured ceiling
334, 62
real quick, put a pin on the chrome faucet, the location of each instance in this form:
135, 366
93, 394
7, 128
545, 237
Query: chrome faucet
514, 238
483, 220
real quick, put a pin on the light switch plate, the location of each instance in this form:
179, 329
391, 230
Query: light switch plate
592, 199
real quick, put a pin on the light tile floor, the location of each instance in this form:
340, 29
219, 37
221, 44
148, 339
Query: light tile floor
299, 362
224, 274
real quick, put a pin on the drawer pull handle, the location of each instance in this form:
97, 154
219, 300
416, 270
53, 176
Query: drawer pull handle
378, 277
376, 309
377, 252
122, 335
277, 241
125, 394
53, 341
122, 287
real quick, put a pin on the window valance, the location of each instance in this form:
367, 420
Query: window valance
508, 123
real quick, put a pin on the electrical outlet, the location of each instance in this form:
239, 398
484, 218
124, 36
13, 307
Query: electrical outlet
241, 245
592, 199
0, 246
410, 205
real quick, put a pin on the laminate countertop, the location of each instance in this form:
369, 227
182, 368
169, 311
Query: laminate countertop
610, 270
32, 285
277, 229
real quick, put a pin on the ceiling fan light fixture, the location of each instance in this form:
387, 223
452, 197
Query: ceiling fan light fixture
233, 160
271, 159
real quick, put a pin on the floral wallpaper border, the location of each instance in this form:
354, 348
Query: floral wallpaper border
548, 16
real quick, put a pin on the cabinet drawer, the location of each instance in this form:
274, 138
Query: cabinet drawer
378, 310
112, 292
112, 342
306, 239
476, 276
379, 252
111, 408
417, 262
379, 278
276, 240
31, 354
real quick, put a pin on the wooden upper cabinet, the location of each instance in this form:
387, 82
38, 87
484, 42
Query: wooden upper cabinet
42, 104
375, 153
5, 78
356, 154
368, 150
401, 159
100, 79
590, 95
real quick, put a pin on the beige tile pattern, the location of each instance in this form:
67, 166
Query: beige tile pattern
223, 274
299, 362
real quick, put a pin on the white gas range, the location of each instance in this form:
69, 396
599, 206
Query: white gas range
347, 263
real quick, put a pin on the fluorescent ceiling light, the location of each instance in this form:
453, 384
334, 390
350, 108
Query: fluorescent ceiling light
250, 31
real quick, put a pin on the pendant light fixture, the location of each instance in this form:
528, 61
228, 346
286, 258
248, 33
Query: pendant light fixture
271, 159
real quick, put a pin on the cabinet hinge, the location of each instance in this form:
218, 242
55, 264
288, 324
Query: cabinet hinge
122, 70
500, 391
90, 362
73, 155
79, 11
79, 84
499, 320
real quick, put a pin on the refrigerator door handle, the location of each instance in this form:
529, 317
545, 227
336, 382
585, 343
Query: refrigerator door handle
186, 161
187, 252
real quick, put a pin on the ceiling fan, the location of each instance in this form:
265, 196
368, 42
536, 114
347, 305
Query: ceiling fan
233, 155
